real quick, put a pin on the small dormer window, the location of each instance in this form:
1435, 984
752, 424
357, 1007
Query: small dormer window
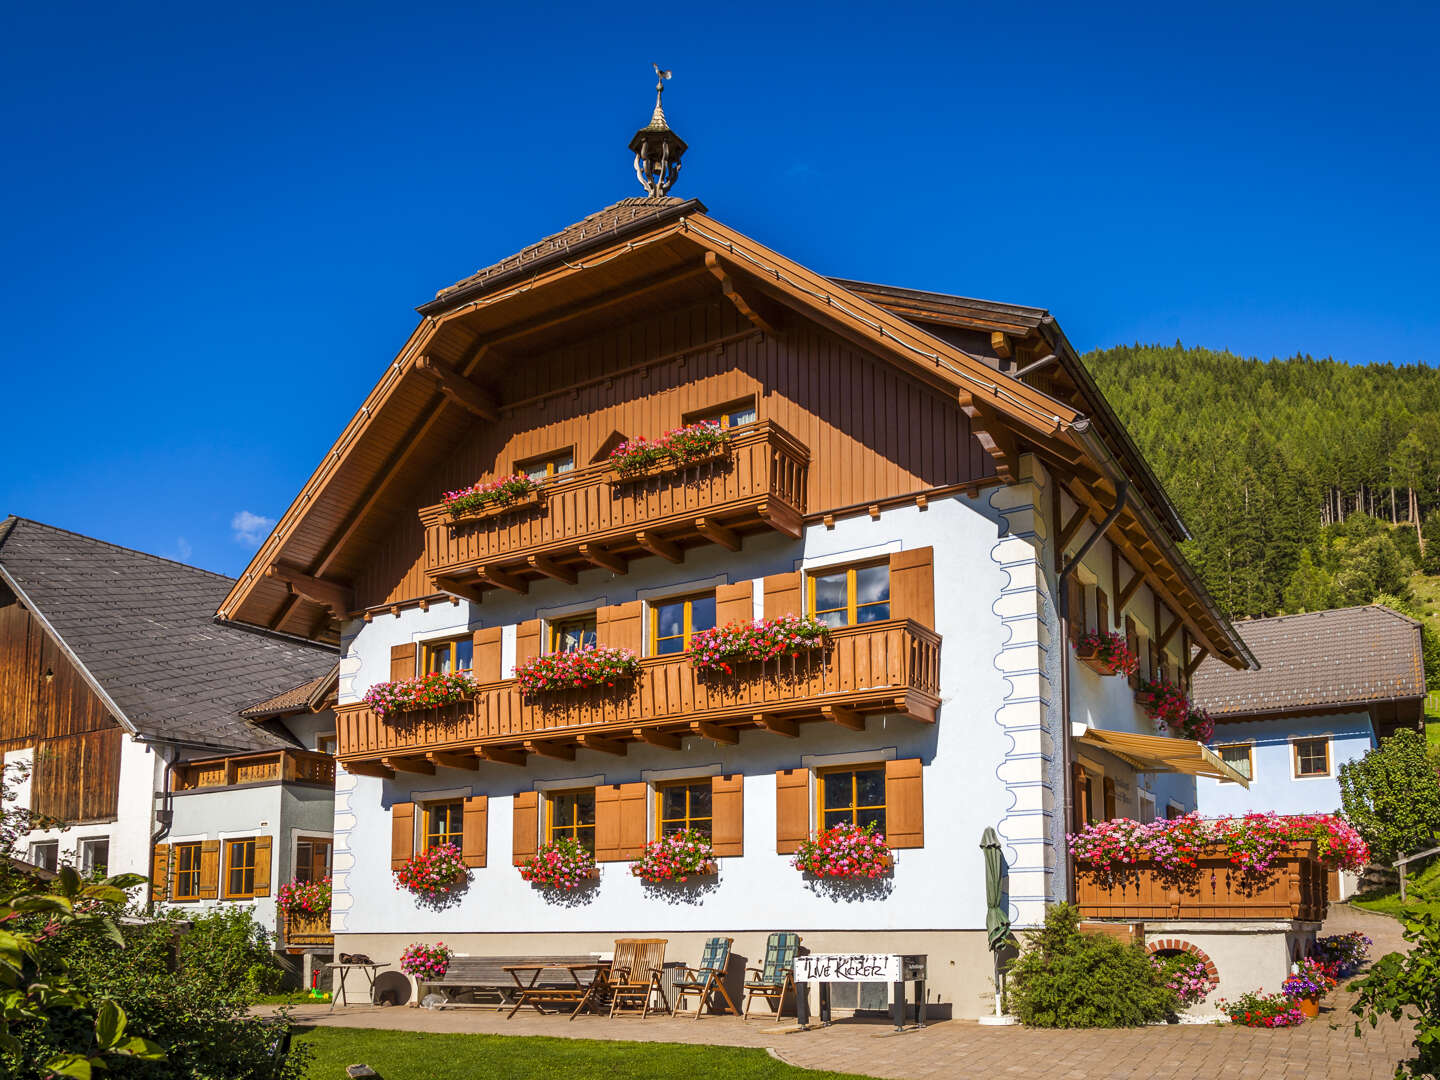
547, 465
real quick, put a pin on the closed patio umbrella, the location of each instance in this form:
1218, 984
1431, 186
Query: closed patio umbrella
997, 918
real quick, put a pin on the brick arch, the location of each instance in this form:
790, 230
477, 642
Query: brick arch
1176, 945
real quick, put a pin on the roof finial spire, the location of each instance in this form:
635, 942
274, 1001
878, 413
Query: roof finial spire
657, 149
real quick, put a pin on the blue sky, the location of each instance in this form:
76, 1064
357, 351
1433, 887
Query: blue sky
219, 219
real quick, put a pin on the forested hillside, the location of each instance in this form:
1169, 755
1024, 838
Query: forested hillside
1302, 480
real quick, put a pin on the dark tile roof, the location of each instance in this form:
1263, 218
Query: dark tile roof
297, 699
615, 221
1346, 657
144, 628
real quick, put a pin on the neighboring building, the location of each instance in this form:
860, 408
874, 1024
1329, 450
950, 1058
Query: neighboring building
914, 468
1329, 686
115, 680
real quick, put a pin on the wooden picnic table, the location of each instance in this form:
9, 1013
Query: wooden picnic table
533, 993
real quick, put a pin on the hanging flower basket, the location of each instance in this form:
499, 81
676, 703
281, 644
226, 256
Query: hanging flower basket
720, 649
425, 692
1107, 654
426, 962
491, 497
304, 898
677, 857
565, 864
433, 874
690, 445
577, 670
845, 851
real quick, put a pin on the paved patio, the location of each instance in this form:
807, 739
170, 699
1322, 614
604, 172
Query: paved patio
1321, 1047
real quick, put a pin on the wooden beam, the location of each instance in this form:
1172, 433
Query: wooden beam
717, 533
340, 599
594, 553
778, 725
1071, 527
503, 579
1131, 588
1169, 632
551, 569
368, 768
747, 306
500, 756
558, 751
847, 718
657, 545
1196, 661
459, 389
604, 746
715, 733
473, 593
409, 764
1001, 344
663, 739
994, 435
452, 761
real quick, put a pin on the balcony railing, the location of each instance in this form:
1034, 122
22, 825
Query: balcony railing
278, 766
593, 517
299, 932
1297, 887
878, 667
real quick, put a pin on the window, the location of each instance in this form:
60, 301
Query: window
539, 468
673, 621
187, 872
312, 858
1147, 807
1312, 757
443, 823
95, 856
1237, 756
240, 869
731, 415
684, 805
445, 656
856, 795
325, 744
46, 855
571, 814
857, 594
576, 632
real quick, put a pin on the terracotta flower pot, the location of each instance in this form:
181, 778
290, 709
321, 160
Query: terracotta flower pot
1309, 1007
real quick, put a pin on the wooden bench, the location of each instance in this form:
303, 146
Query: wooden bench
488, 976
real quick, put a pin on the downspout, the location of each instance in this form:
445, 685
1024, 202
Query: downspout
164, 818
1122, 493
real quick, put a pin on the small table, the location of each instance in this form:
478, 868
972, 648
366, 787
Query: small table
580, 993
370, 970
894, 968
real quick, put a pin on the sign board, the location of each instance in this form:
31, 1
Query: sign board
858, 967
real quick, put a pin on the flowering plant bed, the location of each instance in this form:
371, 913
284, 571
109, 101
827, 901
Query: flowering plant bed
304, 897
433, 874
677, 857
577, 669
688, 445
1186, 976
425, 692
720, 648
1342, 954
1167, 705
1257, 1009
1107, 654
845, 851
426, 962
565, 864
492, 497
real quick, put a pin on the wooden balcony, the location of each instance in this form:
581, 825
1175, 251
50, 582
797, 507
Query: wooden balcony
299, 933
1296, 888
277, 766
593, 517
878, 667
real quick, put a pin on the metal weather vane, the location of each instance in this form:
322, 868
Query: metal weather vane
657, 149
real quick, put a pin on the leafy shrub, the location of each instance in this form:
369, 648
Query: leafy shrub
233, 949
1408, 985
1392, 796
1066, 979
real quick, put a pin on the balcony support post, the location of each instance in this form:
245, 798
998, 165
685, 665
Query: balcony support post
604, 746
847, 718
715, 733
551, 569
657, 545
498, 756
452, 761
473, 593
717, 533
368, 768
408, 764
496, 576
558, 751
663, 739
778, 725
596, 554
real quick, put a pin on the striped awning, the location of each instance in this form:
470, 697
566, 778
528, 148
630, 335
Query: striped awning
1160, 753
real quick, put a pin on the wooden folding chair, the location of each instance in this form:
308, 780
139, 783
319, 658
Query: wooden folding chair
706, 979
635, 975
777, 977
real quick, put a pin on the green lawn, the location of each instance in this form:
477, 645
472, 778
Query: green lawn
285, 997
413, 1055
1422, 893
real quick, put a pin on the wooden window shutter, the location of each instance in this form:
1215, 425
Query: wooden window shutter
620, 627
783, 595
209, 869
160, 872
904, 803
735, 603
402, 833
526, 827
402, 662
1132, 642
476, 818
1155, 670
792, 806
1080, 794
1102, 612
727, 809
1108, 786
262, 865
1076, 614
485, 665
912, 585
527, 640
620, 821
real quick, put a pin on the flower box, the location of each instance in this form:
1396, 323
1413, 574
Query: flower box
676, 858
578, 669
491, 497
431, 691
1294, 888
845, 852
563, 865
661, 468
494, 510
695, 444
433, 874
1106, 654
720, 649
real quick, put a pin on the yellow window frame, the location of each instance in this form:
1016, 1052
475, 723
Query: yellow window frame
723, 414
246, 865
851, 608
437, 830
557, 628
689, 623
854, 806
187, 871
551, 463
690, 818
576, 830
432, 649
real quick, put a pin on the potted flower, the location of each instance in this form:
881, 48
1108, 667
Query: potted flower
1305, 986
845, 851
491, 497
431, 691
718, 650
563, 864
577, 669
426, 963
1342, 954
1107, 654
676, 857
689, 445
304, 898
433, 874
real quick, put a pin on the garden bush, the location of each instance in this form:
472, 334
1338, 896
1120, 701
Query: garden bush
234, 949
1392, 796
1066, 979
1407, 985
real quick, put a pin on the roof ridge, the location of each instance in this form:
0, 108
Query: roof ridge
1323, 611
14, 519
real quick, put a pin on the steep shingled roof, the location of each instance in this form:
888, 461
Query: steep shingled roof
143, 628
305, 697
1348, 656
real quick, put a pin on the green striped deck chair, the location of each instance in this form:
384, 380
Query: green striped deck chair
706, 979
777, 977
